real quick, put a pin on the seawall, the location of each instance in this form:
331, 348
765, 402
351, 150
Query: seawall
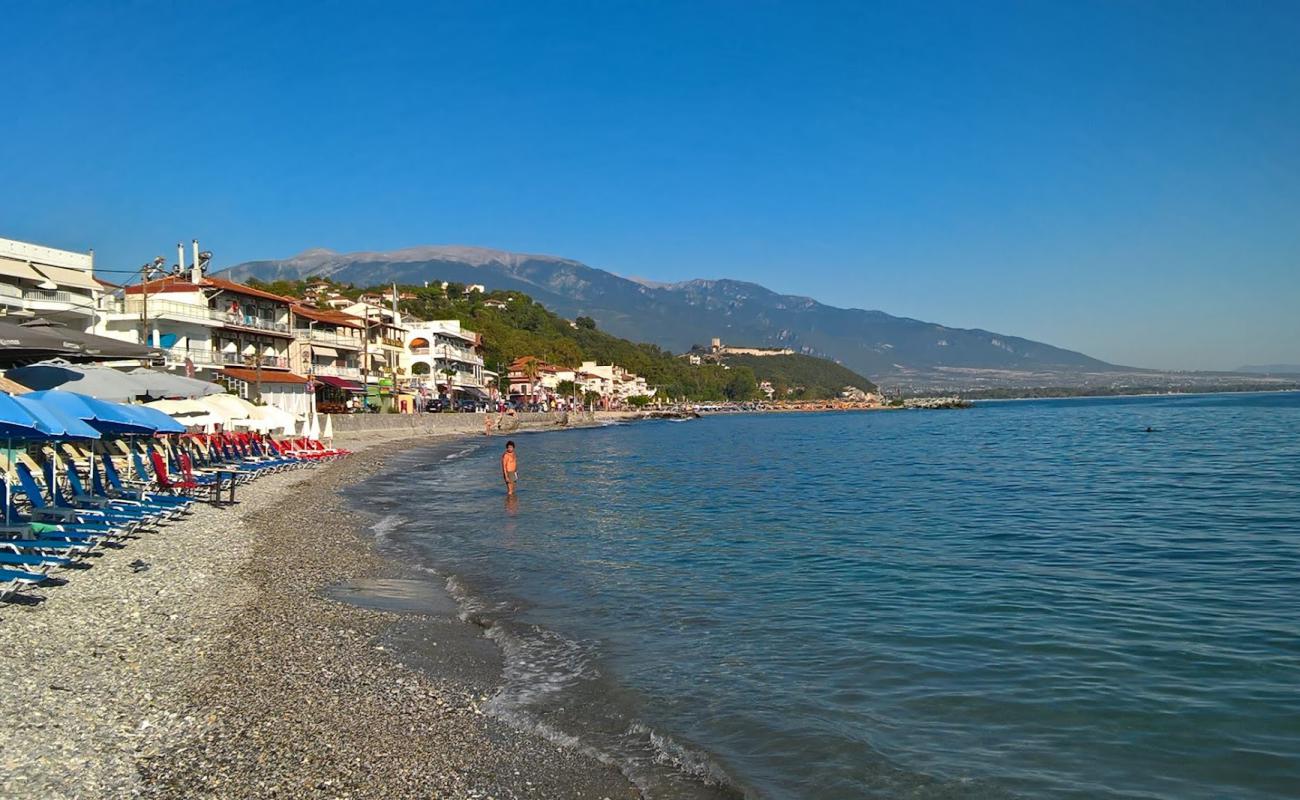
350, 428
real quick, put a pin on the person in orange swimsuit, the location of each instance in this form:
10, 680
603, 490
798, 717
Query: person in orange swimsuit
509, 468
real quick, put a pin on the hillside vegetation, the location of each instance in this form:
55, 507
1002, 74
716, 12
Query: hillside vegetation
801, 377
526, 327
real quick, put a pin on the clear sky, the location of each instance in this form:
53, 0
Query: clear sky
1121, 178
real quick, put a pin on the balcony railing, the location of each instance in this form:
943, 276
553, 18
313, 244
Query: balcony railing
161, 308
199, 356
329, 338
58, 297
336, 371
241, 360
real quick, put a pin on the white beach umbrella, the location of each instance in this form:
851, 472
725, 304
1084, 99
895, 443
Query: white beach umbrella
328, 433
276, 419
189, 413
314, 432
228, 406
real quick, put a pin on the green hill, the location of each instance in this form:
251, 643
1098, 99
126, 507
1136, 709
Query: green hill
524, 327
801, 377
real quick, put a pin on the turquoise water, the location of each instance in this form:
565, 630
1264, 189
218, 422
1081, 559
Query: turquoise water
1025, 599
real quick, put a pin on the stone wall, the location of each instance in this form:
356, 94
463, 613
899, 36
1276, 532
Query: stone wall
354, 427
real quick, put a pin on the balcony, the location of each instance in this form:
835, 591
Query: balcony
199, 356
57, 300
329, 338
11, 295
241, 360
190, 312
336, 371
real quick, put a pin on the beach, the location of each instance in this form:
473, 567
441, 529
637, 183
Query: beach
217, 666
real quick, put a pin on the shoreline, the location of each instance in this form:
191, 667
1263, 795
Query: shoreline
225, 669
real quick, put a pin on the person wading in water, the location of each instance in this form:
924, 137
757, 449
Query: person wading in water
509, 468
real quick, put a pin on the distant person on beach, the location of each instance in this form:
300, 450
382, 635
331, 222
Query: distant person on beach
509, 468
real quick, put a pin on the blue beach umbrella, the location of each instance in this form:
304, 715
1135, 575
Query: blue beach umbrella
110, 418
16, 422
58, 423
160, 421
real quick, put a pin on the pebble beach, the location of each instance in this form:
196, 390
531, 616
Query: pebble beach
208, 660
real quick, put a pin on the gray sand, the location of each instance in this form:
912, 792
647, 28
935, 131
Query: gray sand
226, 670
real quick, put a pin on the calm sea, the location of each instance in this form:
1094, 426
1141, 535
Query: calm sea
1025, 599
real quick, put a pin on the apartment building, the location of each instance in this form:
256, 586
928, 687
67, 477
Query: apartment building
58, 285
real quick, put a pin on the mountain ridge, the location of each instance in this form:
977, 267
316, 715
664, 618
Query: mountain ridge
685, 313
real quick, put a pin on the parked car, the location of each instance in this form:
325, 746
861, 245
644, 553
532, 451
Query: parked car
467, 404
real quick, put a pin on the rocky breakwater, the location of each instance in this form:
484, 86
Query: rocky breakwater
936, 402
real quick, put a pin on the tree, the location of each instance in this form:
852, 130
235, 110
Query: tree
531, 370
740, 384
639, 400
586, 322
566, 388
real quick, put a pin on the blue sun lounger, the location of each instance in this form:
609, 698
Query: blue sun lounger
11, 580
80, 521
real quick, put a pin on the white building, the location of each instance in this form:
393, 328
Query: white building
214, 329
58, 285
433, 348
385, 365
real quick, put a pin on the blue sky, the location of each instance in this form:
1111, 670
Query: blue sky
1119, 178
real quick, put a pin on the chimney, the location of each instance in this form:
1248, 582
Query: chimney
196, 274
180, 259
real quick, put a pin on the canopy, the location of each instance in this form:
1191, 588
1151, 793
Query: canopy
228, 406
152, 416
168, 384
341, 383
267, 419
19, 345
16, 422
110, 418
100, 347
90, 379
189, 413
56, 421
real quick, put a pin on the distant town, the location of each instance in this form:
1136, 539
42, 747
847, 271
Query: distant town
325, 351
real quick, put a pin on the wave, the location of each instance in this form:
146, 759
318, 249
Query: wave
385, 525
546, 676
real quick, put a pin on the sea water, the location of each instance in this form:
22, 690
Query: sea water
1038, 599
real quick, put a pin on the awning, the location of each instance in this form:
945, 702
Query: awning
19, 269
268, 375
322, 350
474, 390
68, 277
341, 383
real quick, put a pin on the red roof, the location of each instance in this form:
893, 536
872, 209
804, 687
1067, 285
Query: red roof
171, 283
268, 375
239, 288
179, 283
328, 315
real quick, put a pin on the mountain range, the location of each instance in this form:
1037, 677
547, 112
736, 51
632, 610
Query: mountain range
678, 315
